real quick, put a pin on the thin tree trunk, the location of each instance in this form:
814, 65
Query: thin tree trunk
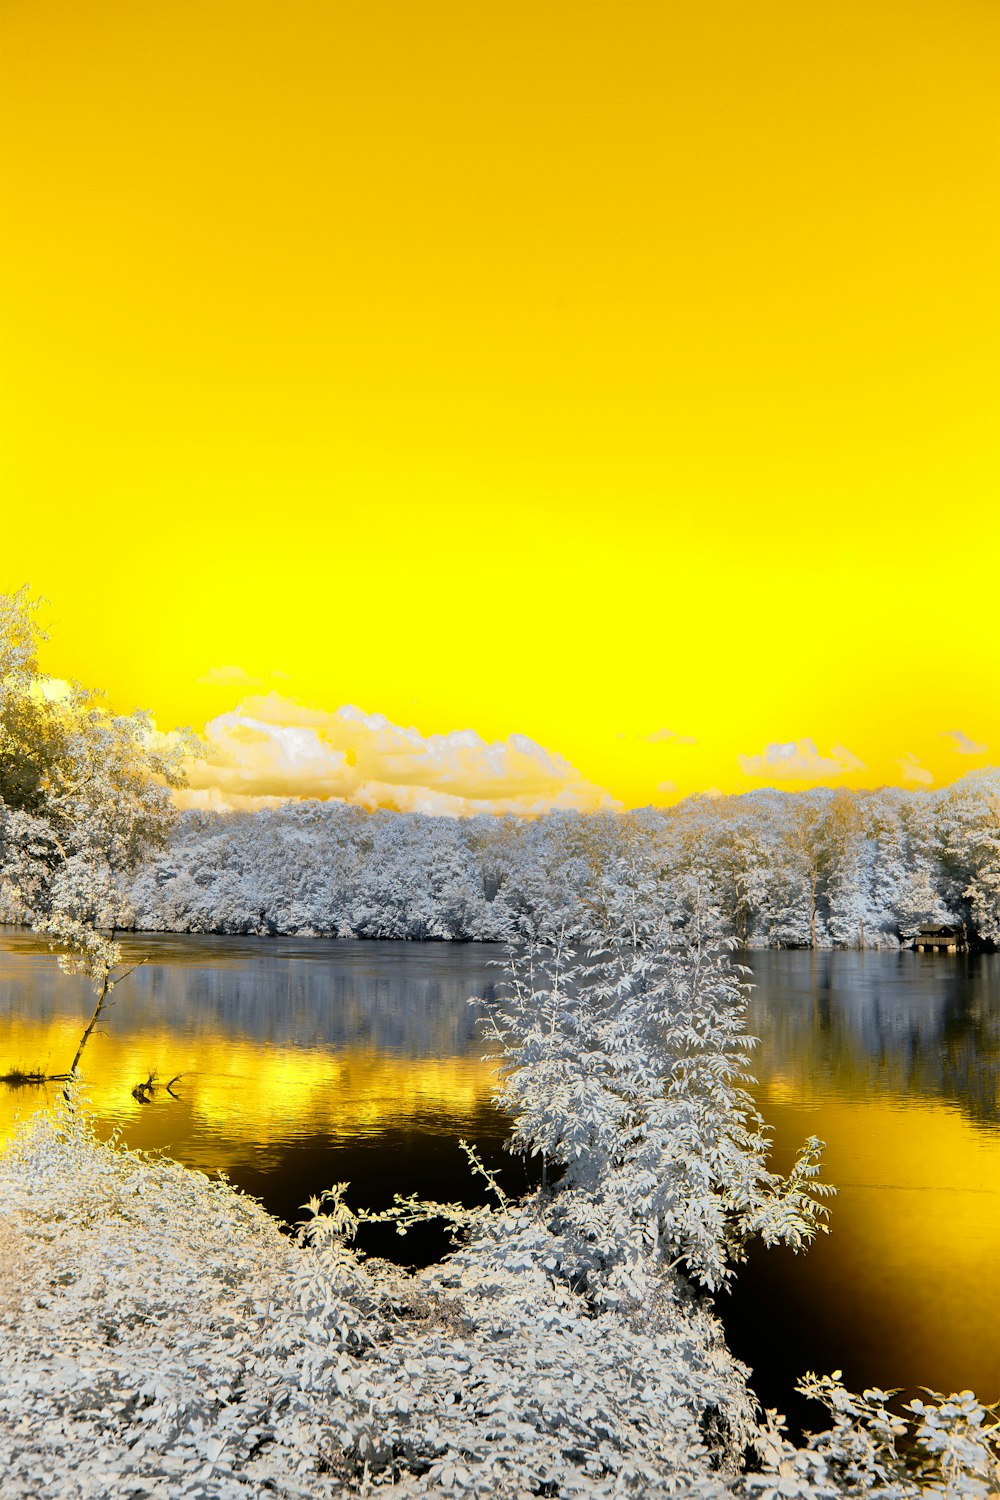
86, 1035
106, 985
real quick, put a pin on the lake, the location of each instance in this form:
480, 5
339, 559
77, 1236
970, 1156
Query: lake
300, 1063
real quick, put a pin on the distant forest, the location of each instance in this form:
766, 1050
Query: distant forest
809, 869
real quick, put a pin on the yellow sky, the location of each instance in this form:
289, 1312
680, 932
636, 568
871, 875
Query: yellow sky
569, 370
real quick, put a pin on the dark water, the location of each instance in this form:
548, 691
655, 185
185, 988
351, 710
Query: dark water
893, 1060
304, 1063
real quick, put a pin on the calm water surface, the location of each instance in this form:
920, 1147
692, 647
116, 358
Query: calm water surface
894, 1061
307, 1062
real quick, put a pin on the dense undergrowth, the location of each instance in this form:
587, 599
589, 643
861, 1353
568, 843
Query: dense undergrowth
159, 1335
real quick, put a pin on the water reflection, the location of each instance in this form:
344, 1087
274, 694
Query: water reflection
300, 1064
894, 1060
905, 1025
309, 1062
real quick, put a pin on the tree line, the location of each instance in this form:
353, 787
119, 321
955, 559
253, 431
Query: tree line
90, 845
819, 868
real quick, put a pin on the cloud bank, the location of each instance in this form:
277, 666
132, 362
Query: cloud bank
799, 760
963, 744
912, 772
271, 749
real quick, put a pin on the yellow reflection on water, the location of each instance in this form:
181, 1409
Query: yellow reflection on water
240, 1093
907, 1276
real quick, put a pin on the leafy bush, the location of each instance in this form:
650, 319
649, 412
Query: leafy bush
624, 1060
948, 1448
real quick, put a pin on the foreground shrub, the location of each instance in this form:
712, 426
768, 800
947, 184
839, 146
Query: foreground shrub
160, 1336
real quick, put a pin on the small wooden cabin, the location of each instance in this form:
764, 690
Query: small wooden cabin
941, 937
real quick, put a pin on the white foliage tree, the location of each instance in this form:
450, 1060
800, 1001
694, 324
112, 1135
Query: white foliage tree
86, 793
625, 1062
970, 826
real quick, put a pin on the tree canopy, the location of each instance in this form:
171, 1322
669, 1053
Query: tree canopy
85, 793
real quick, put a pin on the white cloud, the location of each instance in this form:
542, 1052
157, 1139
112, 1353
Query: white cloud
799, 760
271, 749
963, 744
666, 786
912, 771
666, 737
